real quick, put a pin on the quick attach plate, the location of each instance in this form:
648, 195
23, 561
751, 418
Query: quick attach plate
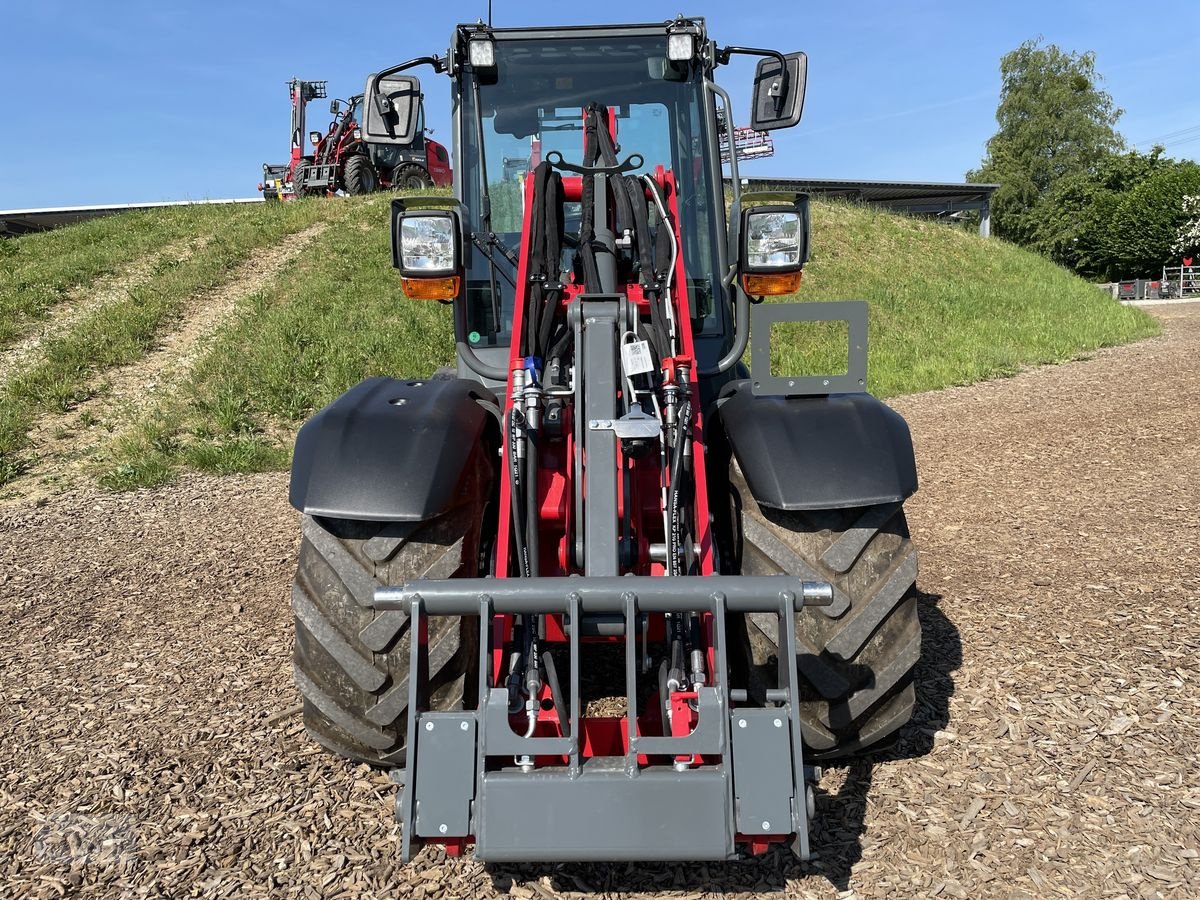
765, 315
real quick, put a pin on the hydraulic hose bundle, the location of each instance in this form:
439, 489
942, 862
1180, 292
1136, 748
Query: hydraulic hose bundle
626, 238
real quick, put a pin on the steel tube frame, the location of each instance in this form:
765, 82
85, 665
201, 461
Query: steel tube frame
606, 594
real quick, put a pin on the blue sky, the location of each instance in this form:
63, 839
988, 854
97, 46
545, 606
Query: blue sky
140, 100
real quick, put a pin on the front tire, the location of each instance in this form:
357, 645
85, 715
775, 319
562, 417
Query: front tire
857, 657
360, 176
298, 188
410, 177
351, 660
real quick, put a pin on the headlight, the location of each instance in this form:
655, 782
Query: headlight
425, 248
357, 134
315, 137
427, 245
772, 240
774, 248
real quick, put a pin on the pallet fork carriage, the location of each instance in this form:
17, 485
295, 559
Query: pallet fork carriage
619, 806
602, 479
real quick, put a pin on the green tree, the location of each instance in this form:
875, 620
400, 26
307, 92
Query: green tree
1147, 221
1055, 124
1073, 221
1187, 241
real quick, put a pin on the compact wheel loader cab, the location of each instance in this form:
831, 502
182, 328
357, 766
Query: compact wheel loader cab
601, 593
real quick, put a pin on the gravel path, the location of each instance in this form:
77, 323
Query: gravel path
150, 747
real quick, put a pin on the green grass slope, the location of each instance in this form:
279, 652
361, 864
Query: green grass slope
945, 308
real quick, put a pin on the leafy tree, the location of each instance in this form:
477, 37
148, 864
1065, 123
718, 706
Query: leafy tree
1187, 240
1074, 220
1148, 219
1055, 125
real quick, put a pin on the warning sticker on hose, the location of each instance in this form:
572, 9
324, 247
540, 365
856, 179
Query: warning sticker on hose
636, 358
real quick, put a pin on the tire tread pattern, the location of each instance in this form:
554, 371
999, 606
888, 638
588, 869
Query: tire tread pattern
856, 663
351, 660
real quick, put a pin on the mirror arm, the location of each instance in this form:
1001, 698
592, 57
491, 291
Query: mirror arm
438, 63
725, 53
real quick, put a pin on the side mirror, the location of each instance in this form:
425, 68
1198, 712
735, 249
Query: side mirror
774, 248
427, 249
779, 100
333, 107
391, 109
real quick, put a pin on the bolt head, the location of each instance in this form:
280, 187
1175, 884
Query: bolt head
766, 826
779, 723
429, 726
442, 828
463, 725
741, 723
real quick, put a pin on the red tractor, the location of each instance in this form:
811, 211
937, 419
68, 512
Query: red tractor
342, 160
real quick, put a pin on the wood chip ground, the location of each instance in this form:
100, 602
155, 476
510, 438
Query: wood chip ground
149, 749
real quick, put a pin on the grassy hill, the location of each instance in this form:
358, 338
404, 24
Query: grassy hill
136, 347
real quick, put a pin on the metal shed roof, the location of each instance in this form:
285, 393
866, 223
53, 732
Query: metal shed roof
15, 222
915, 196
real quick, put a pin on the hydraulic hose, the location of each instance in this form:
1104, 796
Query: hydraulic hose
518, 520
532, 519
675, 538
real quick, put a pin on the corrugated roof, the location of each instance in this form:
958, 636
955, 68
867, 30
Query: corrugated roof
889, 192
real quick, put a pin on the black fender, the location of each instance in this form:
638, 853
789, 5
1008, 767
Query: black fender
819, 452
389, 450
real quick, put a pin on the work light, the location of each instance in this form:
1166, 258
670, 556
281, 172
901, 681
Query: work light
681, 40
482, 52
681, 46
315, 137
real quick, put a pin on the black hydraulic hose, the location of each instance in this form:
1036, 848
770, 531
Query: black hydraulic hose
552, 209
664, 235
518, 522
532, 518
674, 513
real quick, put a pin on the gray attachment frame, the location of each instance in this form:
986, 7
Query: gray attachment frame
461, 780
765, 315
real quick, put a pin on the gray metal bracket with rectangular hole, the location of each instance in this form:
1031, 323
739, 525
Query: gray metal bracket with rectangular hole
765, 315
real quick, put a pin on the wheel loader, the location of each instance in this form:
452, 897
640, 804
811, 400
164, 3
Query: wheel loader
342, 160
603, 591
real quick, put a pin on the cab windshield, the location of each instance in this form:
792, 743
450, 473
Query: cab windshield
532, 104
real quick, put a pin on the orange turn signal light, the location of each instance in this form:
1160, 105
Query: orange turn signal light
772, 285
430, 288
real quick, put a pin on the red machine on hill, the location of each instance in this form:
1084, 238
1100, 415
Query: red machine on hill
342, 160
